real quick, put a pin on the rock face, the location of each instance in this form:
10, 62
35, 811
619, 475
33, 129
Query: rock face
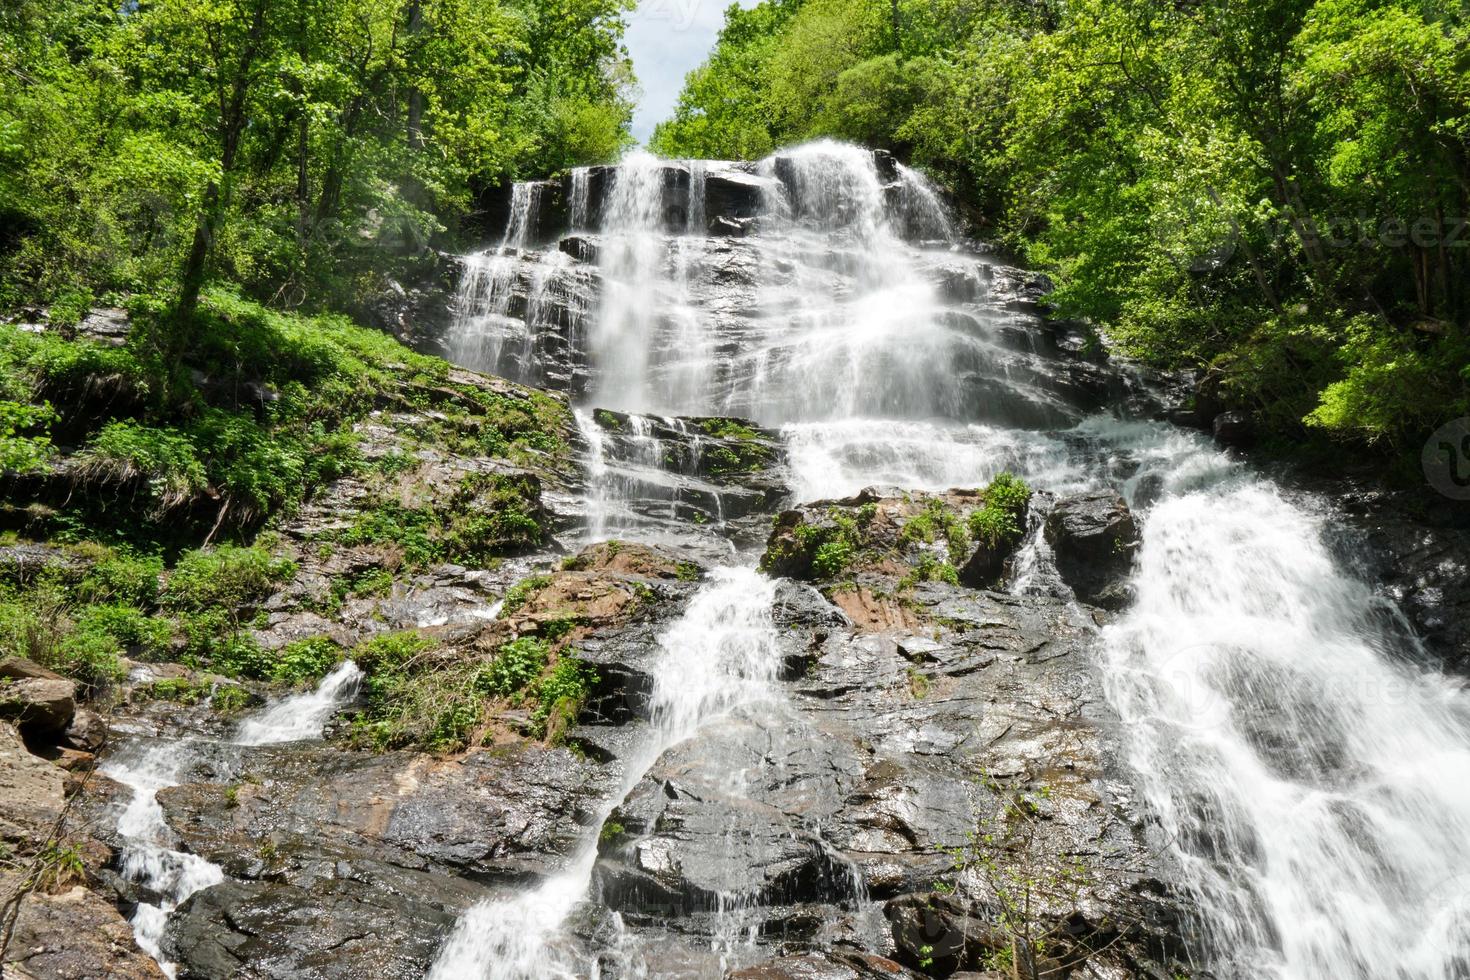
64, 929
35, 699
711, 473
941, 718
1093, 537
351, 865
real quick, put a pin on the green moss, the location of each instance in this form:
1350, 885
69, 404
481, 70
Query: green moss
725, 428
516, 595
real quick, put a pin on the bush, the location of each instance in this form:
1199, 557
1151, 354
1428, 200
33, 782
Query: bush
119, 575
228, 578
305, 660
1000, 521
516, 665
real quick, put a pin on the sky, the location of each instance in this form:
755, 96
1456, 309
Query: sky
667, 38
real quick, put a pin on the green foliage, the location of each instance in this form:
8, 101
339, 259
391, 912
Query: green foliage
515, 666
305, 660
229, 699
517, 594
928, 568
936, 521
319, 147
228, 577
561, 696
486, 515
1002, 520
420, 695
1271, 190
22, 447
832, 557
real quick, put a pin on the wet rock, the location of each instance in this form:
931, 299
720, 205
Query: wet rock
507, 813
1233, 429
38, 705
732, 195
105, 324
579, 247
723, 227
87, 731
71, 935
1093, 537
940, 934
282, 932
708, 473
835, 964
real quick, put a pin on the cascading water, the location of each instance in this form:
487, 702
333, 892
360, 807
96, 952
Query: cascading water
1304, 775
302, 716
1295, 759
720, 655
147, 766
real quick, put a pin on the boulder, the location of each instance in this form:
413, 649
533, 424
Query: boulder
941, 934
87, 731
39, 705
71, 935
1093, 537
19, 669
331, 930
1233, 429
31, 792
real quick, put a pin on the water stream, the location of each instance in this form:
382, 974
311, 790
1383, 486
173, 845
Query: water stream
1307, 777
148, 765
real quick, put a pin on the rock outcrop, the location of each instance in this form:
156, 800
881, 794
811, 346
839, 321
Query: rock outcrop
1093, 538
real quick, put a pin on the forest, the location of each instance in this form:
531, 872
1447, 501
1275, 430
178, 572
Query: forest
1276, 192
979, 493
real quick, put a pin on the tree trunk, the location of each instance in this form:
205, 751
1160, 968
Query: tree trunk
216, 193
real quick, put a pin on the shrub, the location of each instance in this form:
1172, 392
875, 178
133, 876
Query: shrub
516, 665
228, 578
306, 659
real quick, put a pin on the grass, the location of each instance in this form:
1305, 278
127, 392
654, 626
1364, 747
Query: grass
258, 416
419, 694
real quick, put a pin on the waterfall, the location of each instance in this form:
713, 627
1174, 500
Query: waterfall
1300, 767
1306, 777
149, 766
146, 857
482, 303
581, 196
720, 655
303, 715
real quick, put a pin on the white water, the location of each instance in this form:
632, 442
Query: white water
1312, 787
146, 855
720, 655
148, 766
302, 716
1315, 788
